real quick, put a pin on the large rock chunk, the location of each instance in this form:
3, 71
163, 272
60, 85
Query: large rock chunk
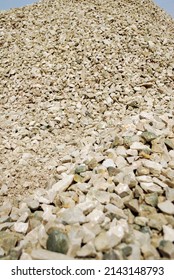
57, 241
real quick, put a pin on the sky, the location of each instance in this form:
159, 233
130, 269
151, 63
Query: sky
167, 5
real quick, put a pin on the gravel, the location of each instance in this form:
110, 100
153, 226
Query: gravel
87, 131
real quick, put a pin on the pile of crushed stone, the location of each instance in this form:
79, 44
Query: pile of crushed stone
87, 131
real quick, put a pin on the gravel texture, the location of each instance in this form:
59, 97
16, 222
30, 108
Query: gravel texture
87, 131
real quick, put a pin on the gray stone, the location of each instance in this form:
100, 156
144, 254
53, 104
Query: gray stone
151, 199
81, 168
148, 136
57, 241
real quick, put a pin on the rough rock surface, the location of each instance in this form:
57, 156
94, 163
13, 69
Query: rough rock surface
87, 131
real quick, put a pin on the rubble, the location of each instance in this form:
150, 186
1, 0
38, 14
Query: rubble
87, 131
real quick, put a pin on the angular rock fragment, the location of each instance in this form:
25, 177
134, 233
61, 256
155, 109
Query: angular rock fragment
154, 167
72, 216
166, 207
96, 216
168, 233
166, 249
57, 241
148, 136
133, 205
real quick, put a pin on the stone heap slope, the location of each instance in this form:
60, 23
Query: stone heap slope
87, 131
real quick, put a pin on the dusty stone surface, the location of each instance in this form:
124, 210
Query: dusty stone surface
87, 131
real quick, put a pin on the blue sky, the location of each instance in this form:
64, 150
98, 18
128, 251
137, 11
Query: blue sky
167, 5
7, 4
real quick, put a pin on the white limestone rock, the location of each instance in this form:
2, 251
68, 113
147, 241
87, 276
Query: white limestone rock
21, 227
72, 215
166, 207
108, 163
96, 216
168, 233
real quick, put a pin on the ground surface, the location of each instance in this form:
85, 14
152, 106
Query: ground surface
80, 82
